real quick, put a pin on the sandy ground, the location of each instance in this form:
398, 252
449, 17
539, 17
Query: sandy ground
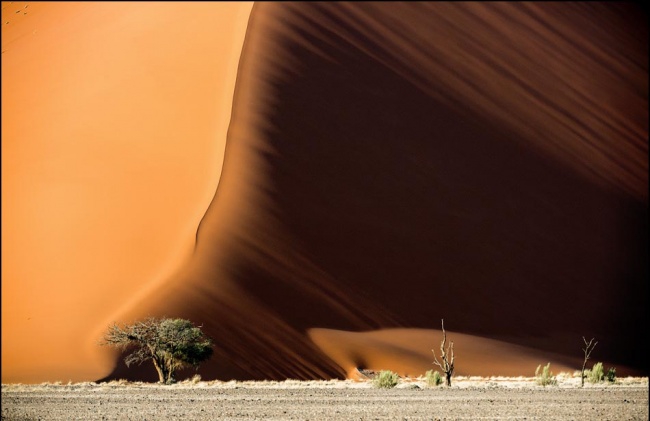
468, 398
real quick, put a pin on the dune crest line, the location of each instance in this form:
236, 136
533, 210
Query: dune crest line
389, 165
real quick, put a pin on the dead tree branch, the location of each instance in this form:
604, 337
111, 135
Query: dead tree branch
587, 350
447, 356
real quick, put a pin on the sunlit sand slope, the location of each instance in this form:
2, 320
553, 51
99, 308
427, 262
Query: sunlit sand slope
114, 122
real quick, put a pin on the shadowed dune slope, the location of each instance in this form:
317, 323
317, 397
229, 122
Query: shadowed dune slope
392, 164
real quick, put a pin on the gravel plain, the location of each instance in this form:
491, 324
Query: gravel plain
493, 399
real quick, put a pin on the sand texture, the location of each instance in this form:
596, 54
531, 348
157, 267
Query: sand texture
376, 181
386, 166
114, 122
324, 400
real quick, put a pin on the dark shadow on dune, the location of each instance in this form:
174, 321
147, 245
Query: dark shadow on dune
379, 204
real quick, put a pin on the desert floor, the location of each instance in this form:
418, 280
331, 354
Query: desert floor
468, 398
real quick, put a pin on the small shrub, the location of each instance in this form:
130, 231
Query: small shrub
597, 374
544, 376
610, 376
386, 379
195, 379
433, 378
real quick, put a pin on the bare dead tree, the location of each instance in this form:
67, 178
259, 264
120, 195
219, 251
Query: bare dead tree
587, 350
447, 356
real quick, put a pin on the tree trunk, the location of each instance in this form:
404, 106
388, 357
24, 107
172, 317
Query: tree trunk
170, 372
161, 369
587, 350
446, 366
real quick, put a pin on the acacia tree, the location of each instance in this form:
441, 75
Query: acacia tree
170, 343
447, 356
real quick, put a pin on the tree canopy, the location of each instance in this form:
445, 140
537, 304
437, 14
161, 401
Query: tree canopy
171, 344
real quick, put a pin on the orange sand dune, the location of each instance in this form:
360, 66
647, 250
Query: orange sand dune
389, 165
114, 121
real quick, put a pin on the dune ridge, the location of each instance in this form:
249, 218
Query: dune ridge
386, 165
390, 165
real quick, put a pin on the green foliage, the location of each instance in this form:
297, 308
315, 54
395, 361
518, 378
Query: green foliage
385, 379
544, 376
186, 344
433, 378
596, 374
170, 344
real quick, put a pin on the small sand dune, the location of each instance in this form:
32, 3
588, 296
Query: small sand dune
409, 353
